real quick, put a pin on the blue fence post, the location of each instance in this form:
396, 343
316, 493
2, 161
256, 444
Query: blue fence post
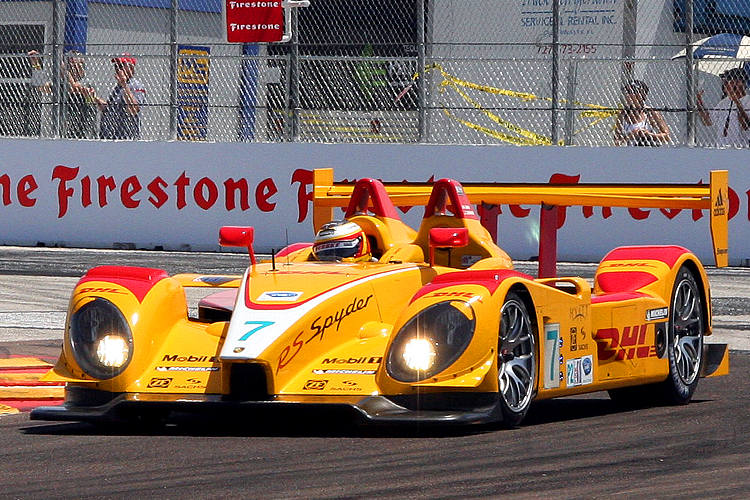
76, 25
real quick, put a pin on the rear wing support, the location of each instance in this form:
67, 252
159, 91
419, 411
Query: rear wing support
713, 197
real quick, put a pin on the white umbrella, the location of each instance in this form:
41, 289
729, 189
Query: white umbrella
719, 53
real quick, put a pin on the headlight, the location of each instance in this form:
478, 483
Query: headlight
100, 338
431, 341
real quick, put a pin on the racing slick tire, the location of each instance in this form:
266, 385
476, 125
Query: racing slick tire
684, 339
516, 362
684, 350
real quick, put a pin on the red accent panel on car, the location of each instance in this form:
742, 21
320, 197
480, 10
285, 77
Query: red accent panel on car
370, 193
624, 281
139, 280
449, 195
669, 254
220, 300
490, 279
616, 297
292, 248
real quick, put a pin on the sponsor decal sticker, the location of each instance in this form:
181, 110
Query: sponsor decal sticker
280, 296
319, 327
654, 314
342, 372
576, 336
259, 325
335, 319
189, 359
373, 360
159, 383
579, 313
580, 371
187, 368
315, 385
458, 295
101, 290
191, 383
719, 207
631, 343
551, 355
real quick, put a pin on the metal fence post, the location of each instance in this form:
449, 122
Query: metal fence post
570, 96
555, 67
57, 44
689, 75
173, 70
294, 79
423, 136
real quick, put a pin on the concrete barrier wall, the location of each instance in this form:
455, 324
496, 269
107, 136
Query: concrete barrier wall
177, 195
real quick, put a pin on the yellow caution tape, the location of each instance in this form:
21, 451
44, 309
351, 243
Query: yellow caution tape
528, 137
494, 133
528, 134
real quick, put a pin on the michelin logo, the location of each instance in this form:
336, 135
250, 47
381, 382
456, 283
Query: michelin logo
654, 314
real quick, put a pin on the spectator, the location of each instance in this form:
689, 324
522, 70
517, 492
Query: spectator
638, 124
80, 111
730, 115
121, 111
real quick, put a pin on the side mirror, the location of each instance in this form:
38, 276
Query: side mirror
238, 236
447, 237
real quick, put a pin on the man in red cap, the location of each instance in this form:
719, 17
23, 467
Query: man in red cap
121, 111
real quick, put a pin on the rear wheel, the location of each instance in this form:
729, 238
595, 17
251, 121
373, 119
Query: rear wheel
516, 361
684, 339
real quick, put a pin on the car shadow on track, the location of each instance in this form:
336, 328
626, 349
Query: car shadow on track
326, 425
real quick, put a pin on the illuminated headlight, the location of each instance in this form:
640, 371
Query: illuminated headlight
431, 341
100, 338
112, 351
419, 354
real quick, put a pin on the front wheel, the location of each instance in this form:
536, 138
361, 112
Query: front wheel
516, 362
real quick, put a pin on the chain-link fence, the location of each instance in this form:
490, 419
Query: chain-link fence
527, 72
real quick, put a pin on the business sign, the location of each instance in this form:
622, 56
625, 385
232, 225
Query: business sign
253, 21
192, 92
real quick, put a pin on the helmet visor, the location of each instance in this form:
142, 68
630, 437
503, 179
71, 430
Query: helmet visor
338, 249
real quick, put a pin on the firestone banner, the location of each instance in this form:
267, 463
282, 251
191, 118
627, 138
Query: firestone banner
253, 21
177, 195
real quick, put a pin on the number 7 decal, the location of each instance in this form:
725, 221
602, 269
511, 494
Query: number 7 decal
551, 355
260, 325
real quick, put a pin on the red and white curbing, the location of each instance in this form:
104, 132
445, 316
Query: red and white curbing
20, 387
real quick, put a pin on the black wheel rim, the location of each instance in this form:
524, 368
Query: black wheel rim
687, 329
516, 364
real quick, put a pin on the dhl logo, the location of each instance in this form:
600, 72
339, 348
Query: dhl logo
100, 290
630, 344
461, 295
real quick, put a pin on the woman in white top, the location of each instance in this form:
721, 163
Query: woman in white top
638, 124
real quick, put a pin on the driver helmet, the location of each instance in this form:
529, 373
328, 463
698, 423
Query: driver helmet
341, 239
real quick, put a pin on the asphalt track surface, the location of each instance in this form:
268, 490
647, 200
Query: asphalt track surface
582, 447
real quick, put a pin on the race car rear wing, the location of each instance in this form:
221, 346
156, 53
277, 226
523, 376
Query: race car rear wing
713, 197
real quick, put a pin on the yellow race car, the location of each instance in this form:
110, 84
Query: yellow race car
391, 325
